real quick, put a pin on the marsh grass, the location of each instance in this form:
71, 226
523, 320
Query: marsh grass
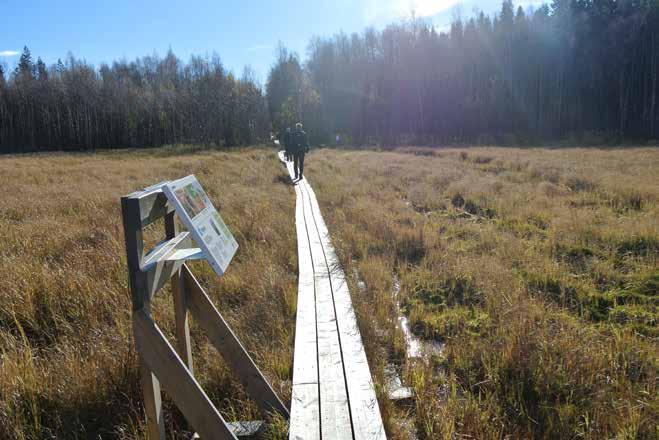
67, 361
536, 268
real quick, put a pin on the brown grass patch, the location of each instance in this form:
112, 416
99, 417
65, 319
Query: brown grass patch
537, 268
67, 360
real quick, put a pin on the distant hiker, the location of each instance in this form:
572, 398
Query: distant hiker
299, 147
287, 144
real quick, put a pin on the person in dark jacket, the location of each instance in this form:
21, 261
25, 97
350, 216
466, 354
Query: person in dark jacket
287, 139
300, 147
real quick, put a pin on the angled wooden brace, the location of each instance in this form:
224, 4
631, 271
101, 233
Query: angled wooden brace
227, 344
161, 358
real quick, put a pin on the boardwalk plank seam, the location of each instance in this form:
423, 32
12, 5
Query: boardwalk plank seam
365, 414
323, 408
305, 400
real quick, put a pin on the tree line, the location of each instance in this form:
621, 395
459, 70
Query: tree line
151, 101
579, 69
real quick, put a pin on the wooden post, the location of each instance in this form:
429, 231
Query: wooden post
183, 346
155, 423
134, 250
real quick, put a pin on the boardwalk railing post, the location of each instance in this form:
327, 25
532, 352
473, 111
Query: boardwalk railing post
134, 251
179, 297
159, 361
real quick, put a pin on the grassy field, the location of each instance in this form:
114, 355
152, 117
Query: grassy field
537, 270
68, 367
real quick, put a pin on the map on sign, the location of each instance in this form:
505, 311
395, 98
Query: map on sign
203, 221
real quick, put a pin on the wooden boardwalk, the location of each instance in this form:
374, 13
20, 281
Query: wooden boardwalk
333, 393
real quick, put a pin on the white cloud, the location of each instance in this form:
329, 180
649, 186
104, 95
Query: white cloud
8, 53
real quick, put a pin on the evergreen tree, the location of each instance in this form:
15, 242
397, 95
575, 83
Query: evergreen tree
25, 67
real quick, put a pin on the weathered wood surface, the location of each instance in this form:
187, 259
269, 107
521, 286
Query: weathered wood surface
161, 358
158, 268
340, 401
179, 298
242, 429
159, 361
366, 418
155, 420
305, 410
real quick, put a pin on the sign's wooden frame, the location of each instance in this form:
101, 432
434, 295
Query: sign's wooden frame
159, 361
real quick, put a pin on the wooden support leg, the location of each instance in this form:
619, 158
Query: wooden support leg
155, 423
183, 346
180, 303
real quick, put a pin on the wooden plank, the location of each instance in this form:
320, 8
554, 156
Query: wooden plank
155, 420
304, 401
165, 248
305, 409
168, 367
366, 418
158, 268
305, 363
153, 204
243, 429
179, 297
334, 407
130, 210
155, 425
226, 342
246, 428
144, 285
364, 414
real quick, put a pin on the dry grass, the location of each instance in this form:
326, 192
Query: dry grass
67, 360
536, 268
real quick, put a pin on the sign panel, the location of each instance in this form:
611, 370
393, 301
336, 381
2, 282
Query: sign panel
202, 220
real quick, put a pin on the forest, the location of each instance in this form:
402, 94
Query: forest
149, 102
578, 69
582, 70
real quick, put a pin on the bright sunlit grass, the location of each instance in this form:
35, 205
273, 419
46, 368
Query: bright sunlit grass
68, 366
537, 270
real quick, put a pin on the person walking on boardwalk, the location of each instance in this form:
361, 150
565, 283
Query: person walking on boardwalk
300, 147
288, 155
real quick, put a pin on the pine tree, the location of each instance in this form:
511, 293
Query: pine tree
25, 68
59, 67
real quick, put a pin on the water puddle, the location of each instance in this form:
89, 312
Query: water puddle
416, 347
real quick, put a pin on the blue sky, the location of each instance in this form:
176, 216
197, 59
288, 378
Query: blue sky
242, 32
